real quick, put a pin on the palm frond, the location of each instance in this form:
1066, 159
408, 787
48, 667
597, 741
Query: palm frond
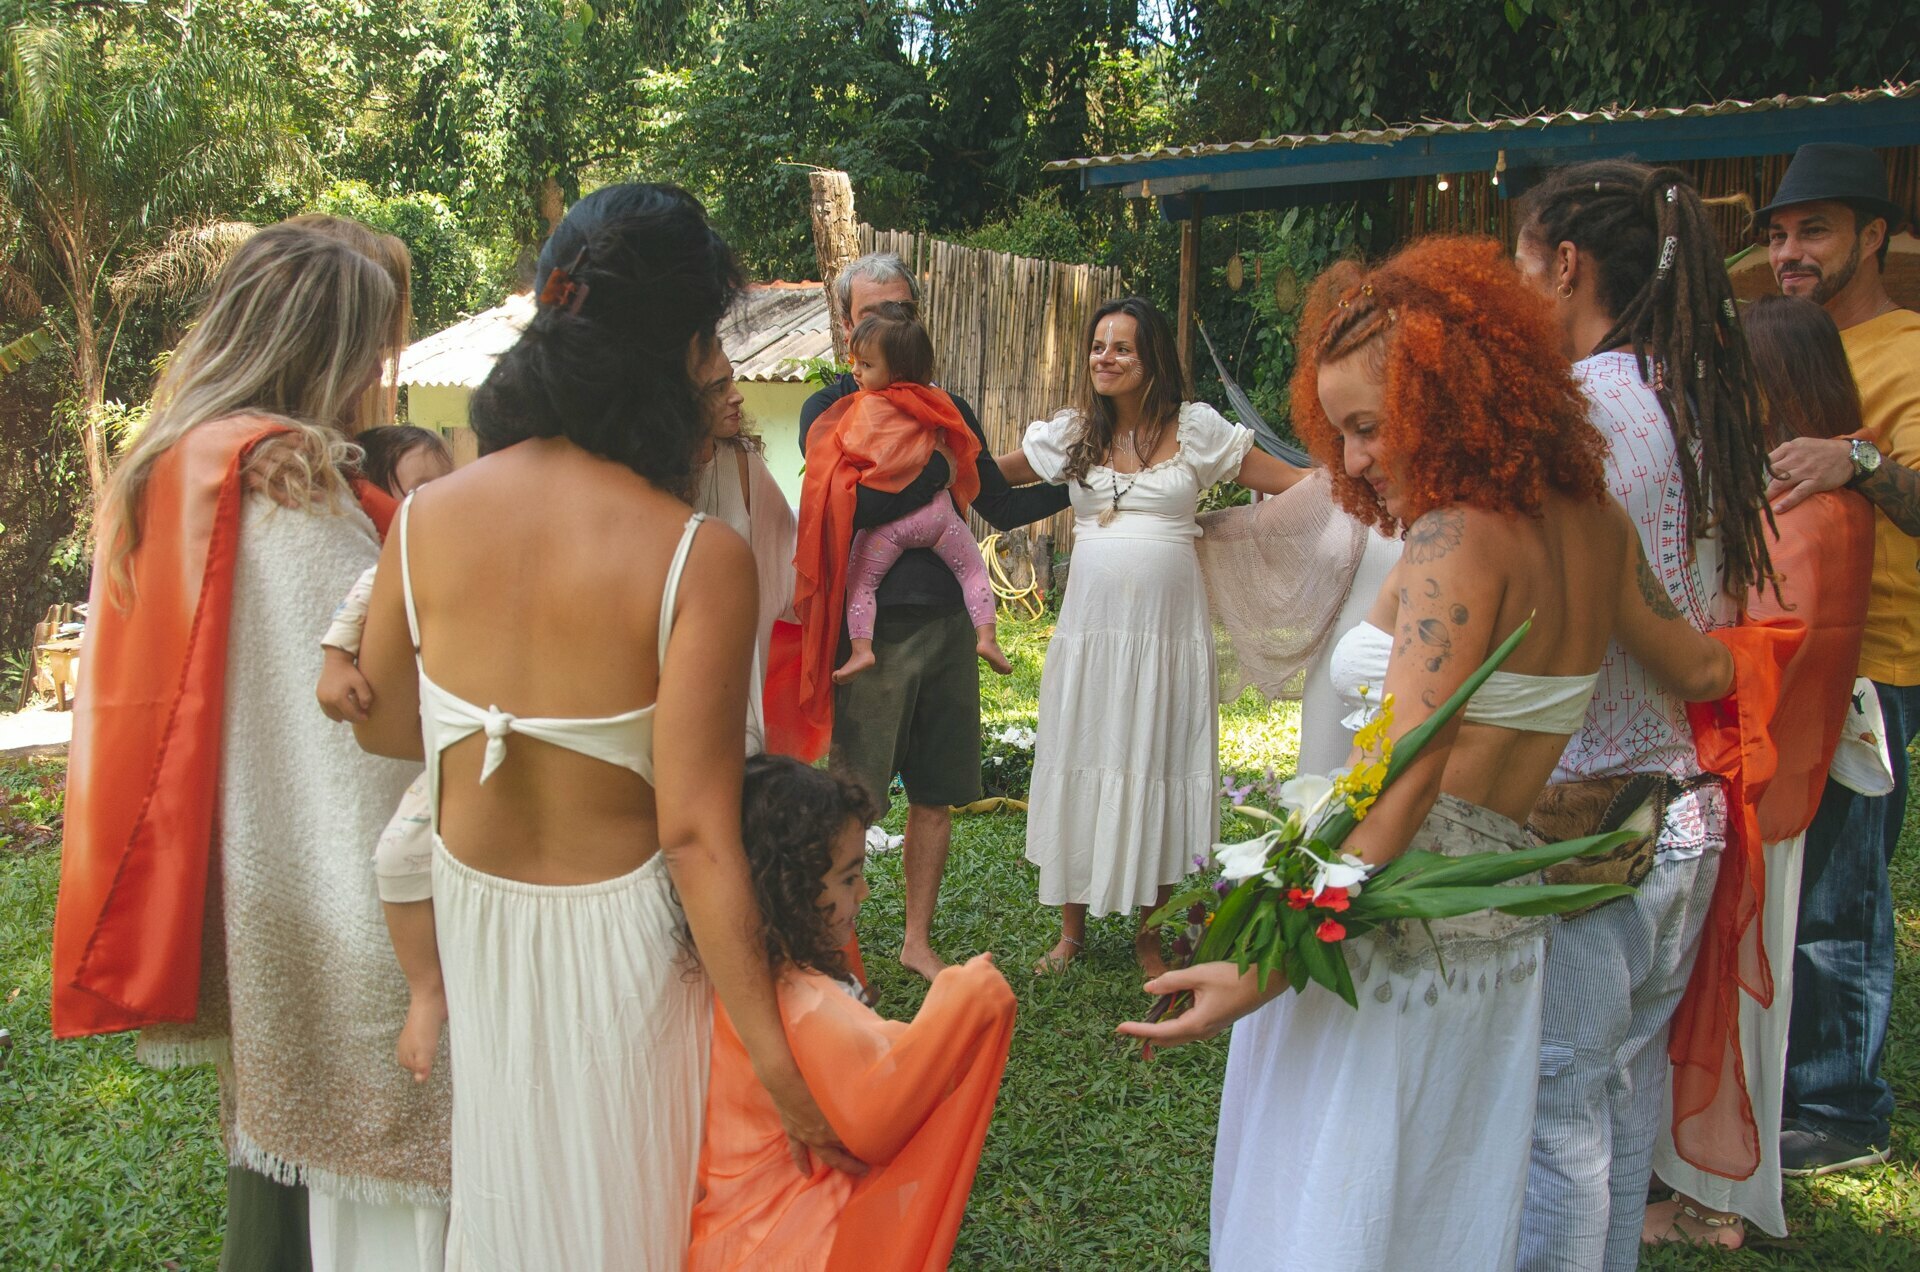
182, 262
24, 350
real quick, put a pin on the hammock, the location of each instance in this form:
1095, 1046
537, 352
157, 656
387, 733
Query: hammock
1269, 441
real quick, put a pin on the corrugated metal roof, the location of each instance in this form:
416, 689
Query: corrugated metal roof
771, 331
1441, 128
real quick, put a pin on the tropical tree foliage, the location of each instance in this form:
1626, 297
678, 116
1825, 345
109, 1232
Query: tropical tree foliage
109, 155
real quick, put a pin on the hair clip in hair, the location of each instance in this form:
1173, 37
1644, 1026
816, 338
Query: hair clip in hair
1699, 368
1666, 254
563, 290
1726, 307
1673, 192
1596, 187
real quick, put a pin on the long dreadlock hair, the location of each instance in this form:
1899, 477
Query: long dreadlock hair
1662, 280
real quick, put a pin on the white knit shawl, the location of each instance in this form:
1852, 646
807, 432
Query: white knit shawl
313, 998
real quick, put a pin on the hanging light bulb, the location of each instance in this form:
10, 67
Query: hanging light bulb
1499, 166
1441, 185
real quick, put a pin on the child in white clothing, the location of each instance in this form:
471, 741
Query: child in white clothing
403, 856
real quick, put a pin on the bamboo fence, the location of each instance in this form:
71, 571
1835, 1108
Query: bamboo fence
1007, 331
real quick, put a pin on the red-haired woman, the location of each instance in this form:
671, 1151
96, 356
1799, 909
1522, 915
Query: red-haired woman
1396, 1135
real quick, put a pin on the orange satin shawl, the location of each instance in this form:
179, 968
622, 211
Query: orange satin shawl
1772, 741
911, 1100
881, 440
144, 769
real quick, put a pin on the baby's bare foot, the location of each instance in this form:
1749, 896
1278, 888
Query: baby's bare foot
856, 663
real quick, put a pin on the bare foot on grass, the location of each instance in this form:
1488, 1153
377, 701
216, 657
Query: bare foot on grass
922, 959
1146, 948
1055, 960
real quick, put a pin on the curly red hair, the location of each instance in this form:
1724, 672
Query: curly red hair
1479, 402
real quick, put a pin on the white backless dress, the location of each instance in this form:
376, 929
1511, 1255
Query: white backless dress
577, 1024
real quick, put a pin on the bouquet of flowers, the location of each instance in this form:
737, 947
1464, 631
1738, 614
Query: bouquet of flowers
1286, 899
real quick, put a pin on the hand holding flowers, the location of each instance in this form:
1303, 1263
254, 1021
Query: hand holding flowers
1290, 897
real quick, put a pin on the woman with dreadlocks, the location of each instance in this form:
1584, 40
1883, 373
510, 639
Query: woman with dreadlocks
1645, 310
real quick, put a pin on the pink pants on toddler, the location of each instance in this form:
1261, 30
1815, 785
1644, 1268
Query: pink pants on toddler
939, 526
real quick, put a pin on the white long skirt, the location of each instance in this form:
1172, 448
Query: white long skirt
1392, 1136
579, 1033
1126, 770
1763, 1049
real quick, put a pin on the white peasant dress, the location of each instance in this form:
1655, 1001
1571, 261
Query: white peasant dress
1126, 767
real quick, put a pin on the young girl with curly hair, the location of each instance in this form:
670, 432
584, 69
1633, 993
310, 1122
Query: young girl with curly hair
1426, 385
912, 1101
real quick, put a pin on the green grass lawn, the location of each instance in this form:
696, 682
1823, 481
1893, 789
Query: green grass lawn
1095, 1160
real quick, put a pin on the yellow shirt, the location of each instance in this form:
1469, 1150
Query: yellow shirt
1885, 354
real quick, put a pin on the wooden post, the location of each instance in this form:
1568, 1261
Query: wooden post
834, 240
1189, 289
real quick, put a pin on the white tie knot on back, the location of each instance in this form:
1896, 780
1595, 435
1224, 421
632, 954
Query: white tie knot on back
497, 725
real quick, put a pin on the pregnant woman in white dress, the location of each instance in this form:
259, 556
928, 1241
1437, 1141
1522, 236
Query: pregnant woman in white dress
1125, 772
544, 617
1395, 1135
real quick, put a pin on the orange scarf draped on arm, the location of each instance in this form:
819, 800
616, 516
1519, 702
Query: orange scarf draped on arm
1772, 741
882, 440
144, 771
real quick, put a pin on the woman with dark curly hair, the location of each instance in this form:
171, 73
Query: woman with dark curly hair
1427, 387
539, 587
912, 1100
1126, 783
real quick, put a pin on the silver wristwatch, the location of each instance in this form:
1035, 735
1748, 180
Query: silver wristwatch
1865, 457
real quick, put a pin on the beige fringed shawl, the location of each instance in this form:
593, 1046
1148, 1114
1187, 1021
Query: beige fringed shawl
301, 997
1277, 573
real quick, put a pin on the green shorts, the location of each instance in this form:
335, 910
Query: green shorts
916, 712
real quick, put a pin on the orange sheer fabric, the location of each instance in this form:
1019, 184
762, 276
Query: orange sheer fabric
143, 778
1772, 740
881, 440
911, 1100
1824, 556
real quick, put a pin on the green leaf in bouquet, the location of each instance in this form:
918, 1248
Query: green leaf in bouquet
1174, 912
1432, 869
1453, 901
1327, 966
1223, 934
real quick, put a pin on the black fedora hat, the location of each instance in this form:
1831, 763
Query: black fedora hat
1840, 172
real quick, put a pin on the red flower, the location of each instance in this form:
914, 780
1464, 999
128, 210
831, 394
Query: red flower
1298, 898
1331, 930
1334, 899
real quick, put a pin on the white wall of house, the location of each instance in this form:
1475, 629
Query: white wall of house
773, 407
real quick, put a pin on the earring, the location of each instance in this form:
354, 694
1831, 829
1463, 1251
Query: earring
1566, 291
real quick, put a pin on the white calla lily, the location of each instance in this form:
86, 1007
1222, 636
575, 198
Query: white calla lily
1305, 792
1243, 860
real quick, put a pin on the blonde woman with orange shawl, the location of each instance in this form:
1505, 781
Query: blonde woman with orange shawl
214, 892
910, 1099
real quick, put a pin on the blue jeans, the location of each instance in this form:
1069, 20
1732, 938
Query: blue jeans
1843, 955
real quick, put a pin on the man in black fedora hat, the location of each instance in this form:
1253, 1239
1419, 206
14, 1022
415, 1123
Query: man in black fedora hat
1827, 230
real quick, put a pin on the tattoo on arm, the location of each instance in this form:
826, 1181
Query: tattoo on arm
1895, 490
1652, 590
1435, 535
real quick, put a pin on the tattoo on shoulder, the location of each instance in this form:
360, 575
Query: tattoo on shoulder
1895, 490
1435, 535
1652, 590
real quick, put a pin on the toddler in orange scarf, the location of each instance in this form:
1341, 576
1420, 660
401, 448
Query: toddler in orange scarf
881, 437
912, 1100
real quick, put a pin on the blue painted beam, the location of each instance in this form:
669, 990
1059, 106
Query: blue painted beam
1875, 123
